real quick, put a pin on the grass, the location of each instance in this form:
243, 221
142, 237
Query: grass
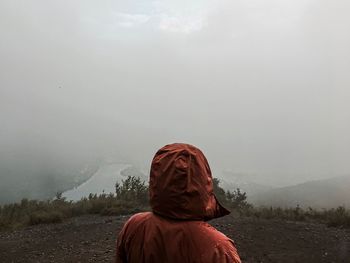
237, 202
132, 196
33, 212
335, 217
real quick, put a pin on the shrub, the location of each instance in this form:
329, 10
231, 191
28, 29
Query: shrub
132, 190
45, 217
338, 217
236, 200
132, 196
219, 192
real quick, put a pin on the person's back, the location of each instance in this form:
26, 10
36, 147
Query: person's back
182, 199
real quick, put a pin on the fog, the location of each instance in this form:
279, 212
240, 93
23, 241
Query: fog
262, 87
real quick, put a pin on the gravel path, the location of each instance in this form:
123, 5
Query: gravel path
92, 239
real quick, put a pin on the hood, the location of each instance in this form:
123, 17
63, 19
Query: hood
181, 185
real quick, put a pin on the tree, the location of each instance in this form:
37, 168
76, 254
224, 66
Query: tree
237, 199
219, 192
132, 190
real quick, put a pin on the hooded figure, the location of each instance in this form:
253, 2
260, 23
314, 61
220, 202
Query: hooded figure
182, 199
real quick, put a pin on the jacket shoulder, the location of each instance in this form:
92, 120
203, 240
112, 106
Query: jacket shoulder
225, 248
135, 221
138, 218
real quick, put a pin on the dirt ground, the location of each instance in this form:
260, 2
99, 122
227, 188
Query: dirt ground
92, 239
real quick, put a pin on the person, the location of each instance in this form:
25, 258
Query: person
182, 200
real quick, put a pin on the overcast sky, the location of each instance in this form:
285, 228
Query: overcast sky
262, 87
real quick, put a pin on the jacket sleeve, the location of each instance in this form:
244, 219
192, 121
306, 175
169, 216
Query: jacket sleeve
232, 254
124, 238
120, 246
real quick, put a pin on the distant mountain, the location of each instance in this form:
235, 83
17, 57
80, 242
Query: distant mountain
19, 182
316, 194
250, 188
230, 181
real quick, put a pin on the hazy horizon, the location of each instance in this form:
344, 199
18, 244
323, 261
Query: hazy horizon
261, 87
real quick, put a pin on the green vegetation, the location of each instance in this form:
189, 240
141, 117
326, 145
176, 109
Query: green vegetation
132, 189
335, 217
132, 196
237, 202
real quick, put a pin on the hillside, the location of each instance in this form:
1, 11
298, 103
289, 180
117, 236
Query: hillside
316, 194
229, 181
18, 183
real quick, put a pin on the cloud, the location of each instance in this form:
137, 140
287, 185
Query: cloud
181, 24
131, 20
163, 21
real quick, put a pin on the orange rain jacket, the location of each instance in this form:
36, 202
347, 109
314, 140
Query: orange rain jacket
182, 199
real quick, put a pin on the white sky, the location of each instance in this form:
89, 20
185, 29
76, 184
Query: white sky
261, 86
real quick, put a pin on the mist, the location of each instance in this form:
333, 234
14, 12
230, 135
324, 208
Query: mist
260, 87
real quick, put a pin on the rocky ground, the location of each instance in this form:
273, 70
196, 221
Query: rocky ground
92, 239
